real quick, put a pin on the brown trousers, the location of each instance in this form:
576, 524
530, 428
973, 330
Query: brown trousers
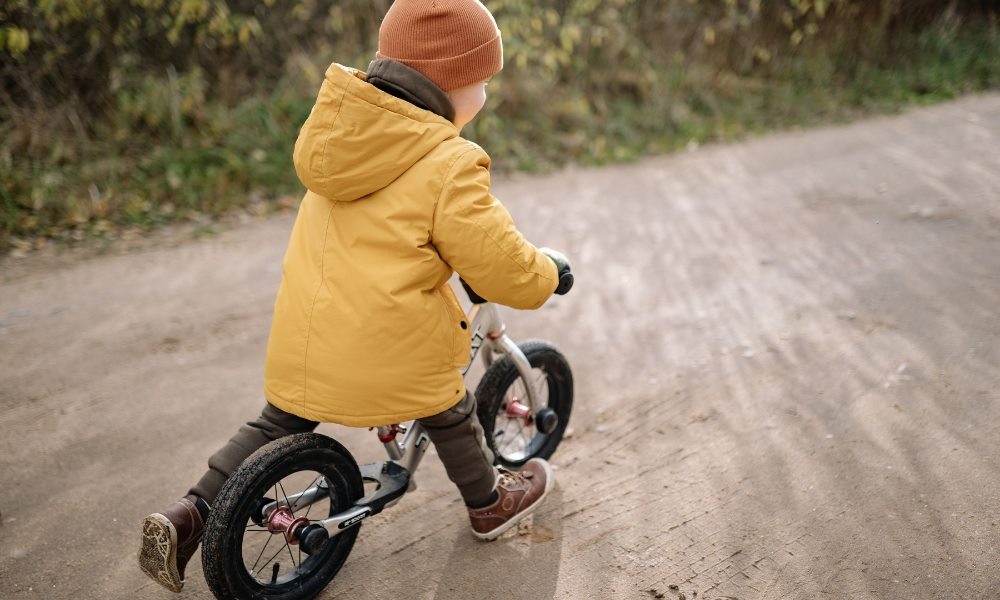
456, 433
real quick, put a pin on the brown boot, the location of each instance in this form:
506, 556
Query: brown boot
169, 538
520, 493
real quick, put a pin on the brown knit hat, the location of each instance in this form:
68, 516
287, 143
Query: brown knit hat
454, 43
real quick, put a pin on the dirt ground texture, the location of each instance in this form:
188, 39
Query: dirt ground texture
786, 356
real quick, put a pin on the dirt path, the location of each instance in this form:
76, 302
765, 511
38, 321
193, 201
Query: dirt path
786, 355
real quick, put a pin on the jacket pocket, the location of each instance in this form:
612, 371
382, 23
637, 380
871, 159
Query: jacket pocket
458, 327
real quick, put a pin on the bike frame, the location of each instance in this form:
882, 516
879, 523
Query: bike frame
394, 477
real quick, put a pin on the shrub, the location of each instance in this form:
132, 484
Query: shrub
141, 111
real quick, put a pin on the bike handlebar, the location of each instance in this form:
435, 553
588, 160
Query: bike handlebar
565, 282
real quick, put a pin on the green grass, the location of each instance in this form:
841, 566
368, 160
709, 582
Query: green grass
166, 155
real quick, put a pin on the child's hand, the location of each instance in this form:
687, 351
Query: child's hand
563, 267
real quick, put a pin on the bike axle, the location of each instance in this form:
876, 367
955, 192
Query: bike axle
546, 420
283, 521
516, 410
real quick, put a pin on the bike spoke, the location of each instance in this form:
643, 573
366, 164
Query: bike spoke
520, 428
285, 496
274, 556
315, 482
520, 433
308, 487
502, 429
291, 556
254, 567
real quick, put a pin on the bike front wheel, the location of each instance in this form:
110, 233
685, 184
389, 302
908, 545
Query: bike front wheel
513, 432
242, 558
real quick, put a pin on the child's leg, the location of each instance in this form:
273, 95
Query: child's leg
171, 536
458, 437
272, 424
496, 501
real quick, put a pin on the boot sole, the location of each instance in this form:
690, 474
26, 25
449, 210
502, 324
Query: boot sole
158, 552
489, 536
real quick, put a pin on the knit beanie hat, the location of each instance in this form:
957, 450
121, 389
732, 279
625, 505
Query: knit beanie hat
454, 43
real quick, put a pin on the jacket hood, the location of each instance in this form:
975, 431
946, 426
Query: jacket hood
359, 139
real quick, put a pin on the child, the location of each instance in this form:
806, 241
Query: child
366, 329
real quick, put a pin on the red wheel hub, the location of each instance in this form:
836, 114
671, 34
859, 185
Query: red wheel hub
516, 410
283, 521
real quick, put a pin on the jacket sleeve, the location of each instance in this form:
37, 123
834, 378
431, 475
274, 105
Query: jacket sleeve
475, 234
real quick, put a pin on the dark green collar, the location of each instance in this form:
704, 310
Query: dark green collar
405, 83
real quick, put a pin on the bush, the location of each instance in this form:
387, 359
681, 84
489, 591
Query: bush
142, 111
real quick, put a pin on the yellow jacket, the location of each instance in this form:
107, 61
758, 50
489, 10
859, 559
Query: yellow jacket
367, 330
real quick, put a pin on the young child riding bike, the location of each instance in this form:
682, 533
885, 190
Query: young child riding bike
366, 330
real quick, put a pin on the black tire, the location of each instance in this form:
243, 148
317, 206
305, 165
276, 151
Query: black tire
293, 459
500, 384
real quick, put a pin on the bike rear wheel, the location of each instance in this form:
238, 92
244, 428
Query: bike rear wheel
242, 558
512, 434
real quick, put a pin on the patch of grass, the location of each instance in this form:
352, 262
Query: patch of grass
129, 176
167, 155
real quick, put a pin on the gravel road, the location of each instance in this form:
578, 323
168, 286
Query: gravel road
786, 354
